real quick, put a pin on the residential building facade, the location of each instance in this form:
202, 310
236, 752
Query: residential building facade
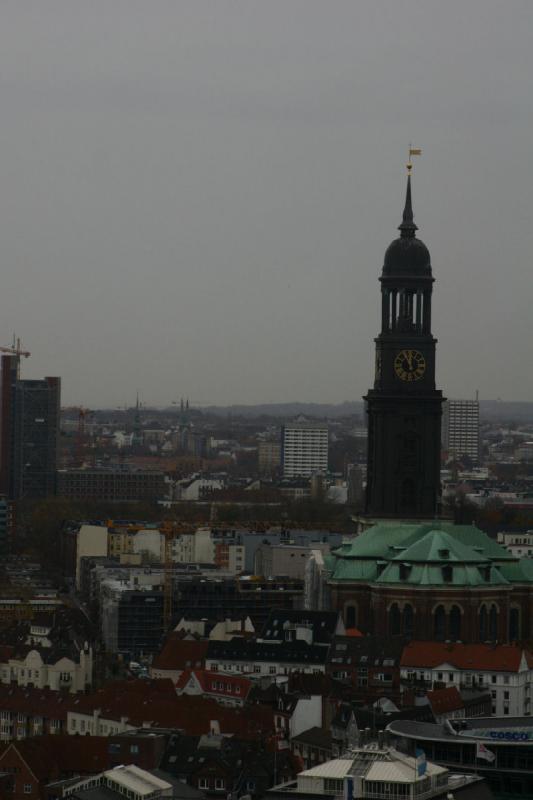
304, 448
460, 428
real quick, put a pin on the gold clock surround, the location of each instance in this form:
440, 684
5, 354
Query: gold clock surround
409, 365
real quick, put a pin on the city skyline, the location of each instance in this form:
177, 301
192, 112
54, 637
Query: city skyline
197, 198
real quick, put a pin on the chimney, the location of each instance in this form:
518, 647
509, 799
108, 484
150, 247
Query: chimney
381, 739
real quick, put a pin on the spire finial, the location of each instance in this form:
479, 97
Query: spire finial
408, 227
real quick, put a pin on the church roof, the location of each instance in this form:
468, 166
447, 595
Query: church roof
432, 575
438, 545
428, 554
407, 255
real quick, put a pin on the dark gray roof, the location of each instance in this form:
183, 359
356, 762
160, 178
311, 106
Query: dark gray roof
297, 652
314, 737
323, 624
366, 651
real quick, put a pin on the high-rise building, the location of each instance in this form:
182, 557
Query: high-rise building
460, 428
404, 408
304, 448
29, 431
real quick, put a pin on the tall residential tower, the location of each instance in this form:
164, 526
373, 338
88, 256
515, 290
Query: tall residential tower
29, 431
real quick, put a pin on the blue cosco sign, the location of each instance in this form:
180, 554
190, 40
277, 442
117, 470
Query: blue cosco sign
511, 736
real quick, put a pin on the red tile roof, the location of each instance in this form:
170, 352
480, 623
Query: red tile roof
442, 701
50, 757
152, 703
155, 703
482, 657
180, 654
37, 702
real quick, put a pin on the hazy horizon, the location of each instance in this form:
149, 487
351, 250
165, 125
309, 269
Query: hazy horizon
196, 197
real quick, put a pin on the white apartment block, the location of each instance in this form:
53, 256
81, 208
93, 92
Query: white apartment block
509, 678
460, 428
519, 544
304, 448
35, 669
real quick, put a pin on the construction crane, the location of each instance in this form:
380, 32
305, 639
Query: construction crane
16, 350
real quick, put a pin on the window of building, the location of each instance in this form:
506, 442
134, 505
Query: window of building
514, 623
333, 786
408, 620
506, 710
455, 623
203, 783
483, 624
220, 783
493, 623
447, 573
350, 615
395, 624
28, 787
439, 623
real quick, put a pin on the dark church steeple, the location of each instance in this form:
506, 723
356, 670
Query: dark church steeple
404, 407
408, 227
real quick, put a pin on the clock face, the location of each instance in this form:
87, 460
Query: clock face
409, 365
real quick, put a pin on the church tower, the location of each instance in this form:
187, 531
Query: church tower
404, 408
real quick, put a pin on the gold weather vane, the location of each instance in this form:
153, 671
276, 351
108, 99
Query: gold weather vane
413, 151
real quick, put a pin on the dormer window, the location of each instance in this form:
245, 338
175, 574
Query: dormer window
405, 571
444, 553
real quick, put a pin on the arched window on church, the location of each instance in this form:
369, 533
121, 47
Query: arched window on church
439, 624
350, 617
483, 623
455, 623
514, 624
395, 620
408, 620
493, 623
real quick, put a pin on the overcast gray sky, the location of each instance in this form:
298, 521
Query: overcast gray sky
195, 197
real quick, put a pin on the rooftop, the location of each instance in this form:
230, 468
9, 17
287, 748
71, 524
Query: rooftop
481, 657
